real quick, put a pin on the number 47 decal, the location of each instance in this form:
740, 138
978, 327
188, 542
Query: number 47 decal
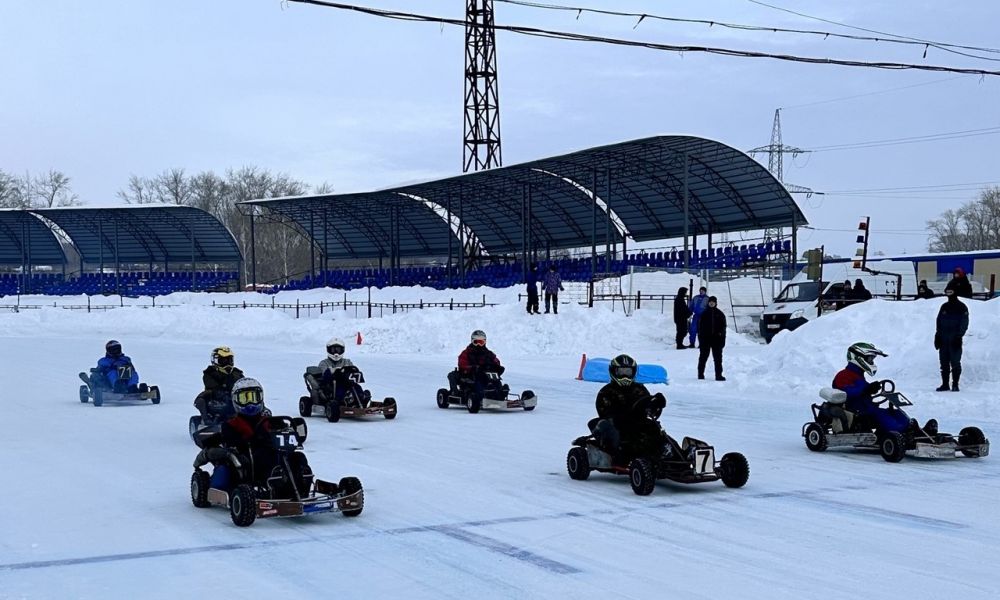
704, 461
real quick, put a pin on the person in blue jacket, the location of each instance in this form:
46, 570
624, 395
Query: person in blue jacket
851, 379
698, 304
117, 369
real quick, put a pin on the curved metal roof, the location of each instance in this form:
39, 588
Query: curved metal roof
639, 187
145, 233
24, 239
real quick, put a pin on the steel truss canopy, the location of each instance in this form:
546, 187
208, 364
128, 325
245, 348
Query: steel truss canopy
26, 240
145, 234
636, 189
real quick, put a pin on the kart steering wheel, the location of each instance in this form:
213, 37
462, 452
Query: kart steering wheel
888, 389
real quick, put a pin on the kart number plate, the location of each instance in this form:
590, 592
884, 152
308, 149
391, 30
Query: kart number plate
773, 326
704, 461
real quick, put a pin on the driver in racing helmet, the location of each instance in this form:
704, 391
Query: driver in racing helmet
851, 379
115, 365
623, 411
475, 362
218, 379
333, 370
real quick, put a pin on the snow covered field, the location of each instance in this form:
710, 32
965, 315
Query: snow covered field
96, 501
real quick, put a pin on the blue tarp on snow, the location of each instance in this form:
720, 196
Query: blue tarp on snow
596, 369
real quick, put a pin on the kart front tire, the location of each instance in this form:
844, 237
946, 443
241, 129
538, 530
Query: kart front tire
332, 409
389, 412
305, 406
816, 438
200, 482
348, 486
528, 395
84, 394
971, 436
442, 398
892, 447
156, 394
98, 397
243, 505
735, 470
475, 403
642, 476
578, 464
194, 424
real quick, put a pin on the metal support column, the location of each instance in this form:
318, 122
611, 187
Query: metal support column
524, 230
253, 249
450, 242
461, 239
312, 245
118, 283
191, 233
607, 231
593, 222
326, 247
795, 243
687, 257
100, 238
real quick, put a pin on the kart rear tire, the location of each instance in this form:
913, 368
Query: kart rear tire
243, 505
971, 436
642, 476
200, 482
194, 424
816, 438
305, 406
475, 403
528, 395
156, 394
98, 397
332, 411
349, 485
578, 464
892, 446
442, 398
734, 470
84, 394
387, 413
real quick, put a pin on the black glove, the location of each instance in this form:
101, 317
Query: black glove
874, 387
658, 401
500, 370
937, 342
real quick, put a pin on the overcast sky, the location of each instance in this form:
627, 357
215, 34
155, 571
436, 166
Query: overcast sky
104, 89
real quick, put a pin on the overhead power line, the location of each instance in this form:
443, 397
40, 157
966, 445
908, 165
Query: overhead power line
580, 10
946, 187
934, 137
953, 48
578, 37
875, 93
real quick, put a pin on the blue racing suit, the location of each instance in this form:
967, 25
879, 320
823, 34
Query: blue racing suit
114, 368
859, 400
697, 305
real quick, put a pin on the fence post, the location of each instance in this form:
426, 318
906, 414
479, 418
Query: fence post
993, 284
393, 306
244, 305
638, 299
484, 299
296, 308
320, 307
88, 303
421, 303
451, 304
345, 305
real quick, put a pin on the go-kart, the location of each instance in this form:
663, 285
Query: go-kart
219, 409
834, 426
496, 393
691, 461
98, 388
324, 396
288, 490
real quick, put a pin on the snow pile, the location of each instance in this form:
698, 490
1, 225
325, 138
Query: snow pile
812, 354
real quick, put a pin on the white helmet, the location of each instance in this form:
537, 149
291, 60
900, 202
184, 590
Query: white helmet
248, 396
335, 349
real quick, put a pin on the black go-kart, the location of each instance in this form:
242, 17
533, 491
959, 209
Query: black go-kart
834, 426
219, 410
323, 397
287, 491
97, 388
496, 394
691, 461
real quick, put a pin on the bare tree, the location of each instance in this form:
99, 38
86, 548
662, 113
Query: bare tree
53, 189
172, 187
138, 191
12, 192
973, 226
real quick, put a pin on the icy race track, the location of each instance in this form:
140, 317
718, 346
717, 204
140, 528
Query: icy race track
96, 501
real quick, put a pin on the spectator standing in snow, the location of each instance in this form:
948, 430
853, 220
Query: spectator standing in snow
952, 323
960, 284
697, 305
860, 292
711, 338
845, 296
532, 281
681, 314
924, 291
552, 285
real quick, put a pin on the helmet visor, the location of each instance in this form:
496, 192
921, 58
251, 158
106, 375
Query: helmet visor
623, 374
114, 349
335, 349
248, 397
224, 361
479, 342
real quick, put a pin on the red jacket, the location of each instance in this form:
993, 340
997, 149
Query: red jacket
476, 357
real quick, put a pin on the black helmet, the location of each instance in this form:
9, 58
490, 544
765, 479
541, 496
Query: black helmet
113, 348
622, 369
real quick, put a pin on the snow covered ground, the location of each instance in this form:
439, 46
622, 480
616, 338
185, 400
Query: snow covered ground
96, 500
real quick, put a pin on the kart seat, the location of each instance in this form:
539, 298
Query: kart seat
833, 396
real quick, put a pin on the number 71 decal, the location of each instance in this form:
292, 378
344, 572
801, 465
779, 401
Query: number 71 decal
704, 461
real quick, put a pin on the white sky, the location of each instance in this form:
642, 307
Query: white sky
104, 89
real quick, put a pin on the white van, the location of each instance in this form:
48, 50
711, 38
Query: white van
800, 300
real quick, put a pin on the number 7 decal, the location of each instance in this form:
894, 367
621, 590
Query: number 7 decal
704, 461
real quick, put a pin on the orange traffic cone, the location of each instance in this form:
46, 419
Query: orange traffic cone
359, 338
583, 361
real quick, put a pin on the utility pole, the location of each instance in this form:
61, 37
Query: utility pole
482, 98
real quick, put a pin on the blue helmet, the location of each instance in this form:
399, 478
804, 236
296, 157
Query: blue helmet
248, 397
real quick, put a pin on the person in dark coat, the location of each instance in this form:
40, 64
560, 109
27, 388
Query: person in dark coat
532, 281
218, 379
624, 426
960, 284
845, 295
552, 285
475, 363
952, 323
711, 338
924, 291
681, 315
860, 293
